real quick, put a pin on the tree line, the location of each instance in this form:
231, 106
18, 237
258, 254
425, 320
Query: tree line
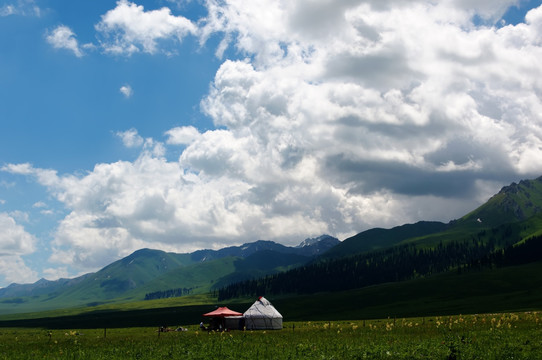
525, 252
489, 248
164, 294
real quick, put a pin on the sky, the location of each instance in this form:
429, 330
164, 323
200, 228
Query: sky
187, 124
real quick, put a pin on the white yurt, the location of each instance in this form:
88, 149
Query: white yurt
262, 316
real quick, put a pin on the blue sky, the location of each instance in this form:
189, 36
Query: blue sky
189, 124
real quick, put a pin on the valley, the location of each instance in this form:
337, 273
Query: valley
488, 260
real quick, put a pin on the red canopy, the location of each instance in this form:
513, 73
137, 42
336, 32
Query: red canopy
223, 312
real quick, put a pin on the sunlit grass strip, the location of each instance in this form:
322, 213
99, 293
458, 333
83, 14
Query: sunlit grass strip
200, 299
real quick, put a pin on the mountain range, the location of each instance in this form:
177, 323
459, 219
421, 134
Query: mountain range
149, 273
508, 224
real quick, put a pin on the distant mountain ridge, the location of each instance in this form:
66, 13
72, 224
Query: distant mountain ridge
318, 245
307, 247
42, 286
148, 270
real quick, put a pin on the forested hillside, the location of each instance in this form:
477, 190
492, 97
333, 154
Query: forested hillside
487, 249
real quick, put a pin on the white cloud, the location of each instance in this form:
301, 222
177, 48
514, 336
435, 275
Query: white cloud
14, 240
43, 206
14, 243
400, 102
39, 204
130, 138
45, 177
21, 169
183, 135
128, 28
21, 8
56, 273
62, 37
381, 75
13, 269
7, 10
127, 91
20, 216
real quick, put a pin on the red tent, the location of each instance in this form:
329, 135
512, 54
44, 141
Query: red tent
222, 312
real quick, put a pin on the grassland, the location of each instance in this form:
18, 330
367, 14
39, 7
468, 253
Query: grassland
389, 331
488, 336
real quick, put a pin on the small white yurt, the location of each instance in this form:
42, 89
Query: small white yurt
262, 316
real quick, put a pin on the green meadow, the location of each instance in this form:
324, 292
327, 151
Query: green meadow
487, 336
390, 331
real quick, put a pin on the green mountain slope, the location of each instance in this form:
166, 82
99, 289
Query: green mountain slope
198, 277
377, 238
497, 248
485, 238
206, 276
513, 203
103, 286
132, 271
261, 264
128, 273
152, 271
514, 288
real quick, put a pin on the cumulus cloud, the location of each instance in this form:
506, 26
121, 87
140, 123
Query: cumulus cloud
387, 101
183, 135
46, 177
121, 207
398, 86
14, 243
128, 29
14, 240
62, 37
15, 270
21, 169
131, 138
